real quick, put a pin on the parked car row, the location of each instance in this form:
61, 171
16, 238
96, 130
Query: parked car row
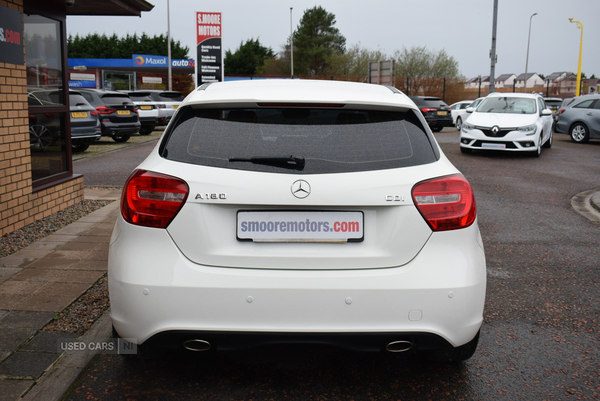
98, 112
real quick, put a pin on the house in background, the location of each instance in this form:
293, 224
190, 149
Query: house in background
533, 80
505, 81
562, 83
473, 83
34, 182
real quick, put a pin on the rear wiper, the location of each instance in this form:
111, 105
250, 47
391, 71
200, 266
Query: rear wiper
280, 161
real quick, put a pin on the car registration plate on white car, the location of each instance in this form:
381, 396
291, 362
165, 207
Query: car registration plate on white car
493, 145
300, 226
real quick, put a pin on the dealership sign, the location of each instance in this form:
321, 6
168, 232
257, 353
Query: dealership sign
11, 36
209, 47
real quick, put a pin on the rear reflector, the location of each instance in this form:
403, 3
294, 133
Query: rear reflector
151, 199
446, 203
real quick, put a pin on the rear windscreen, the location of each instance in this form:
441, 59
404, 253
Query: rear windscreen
171, 97
116, 99
143, 97
327, 140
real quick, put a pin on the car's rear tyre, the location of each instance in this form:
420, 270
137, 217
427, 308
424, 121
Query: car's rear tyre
579, 133
453, 355
80, 147
458, 123
40, 137
146, 130
121, 138
548, 143
436, 129
465, 150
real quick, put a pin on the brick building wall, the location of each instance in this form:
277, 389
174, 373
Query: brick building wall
19, 204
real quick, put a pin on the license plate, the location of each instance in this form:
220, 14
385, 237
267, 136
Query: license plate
123, 112
146, 107
300, 226
442, 113
493, 145
79, 114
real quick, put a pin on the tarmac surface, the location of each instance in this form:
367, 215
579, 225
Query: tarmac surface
41, 280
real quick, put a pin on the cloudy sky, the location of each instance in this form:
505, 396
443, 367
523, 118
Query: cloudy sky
463, 28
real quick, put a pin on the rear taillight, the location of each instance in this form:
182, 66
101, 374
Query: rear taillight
561, 111
94, 113
151, 199
447, 203
105, 110
428, 109
135, 110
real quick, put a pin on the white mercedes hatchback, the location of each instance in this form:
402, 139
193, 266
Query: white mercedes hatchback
288, 211
516, 122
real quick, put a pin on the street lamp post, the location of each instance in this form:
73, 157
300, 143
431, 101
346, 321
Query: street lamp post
580, 26
292, 42
170, 73
527, 59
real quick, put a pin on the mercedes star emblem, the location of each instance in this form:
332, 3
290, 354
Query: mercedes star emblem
301, 189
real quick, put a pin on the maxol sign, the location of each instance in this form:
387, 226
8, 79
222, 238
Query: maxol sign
145, 60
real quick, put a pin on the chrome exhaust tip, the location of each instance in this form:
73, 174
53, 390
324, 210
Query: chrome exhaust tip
196, 345
399, 346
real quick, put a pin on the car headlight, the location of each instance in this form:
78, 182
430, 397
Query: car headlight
467, 127
527, 130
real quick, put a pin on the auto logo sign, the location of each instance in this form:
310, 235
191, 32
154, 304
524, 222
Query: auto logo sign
301, 189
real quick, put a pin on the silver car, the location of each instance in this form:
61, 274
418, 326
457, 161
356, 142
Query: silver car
168, 102
580, 119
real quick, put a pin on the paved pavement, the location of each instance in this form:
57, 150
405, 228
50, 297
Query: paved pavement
44, 278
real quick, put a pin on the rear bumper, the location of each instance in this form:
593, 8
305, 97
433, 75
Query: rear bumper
110, 129
155, 290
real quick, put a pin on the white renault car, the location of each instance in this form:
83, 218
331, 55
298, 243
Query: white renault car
508, 121
287, 211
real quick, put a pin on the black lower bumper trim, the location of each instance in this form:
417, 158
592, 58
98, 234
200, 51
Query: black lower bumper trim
231, 341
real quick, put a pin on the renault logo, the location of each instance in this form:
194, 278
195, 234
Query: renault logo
301, 189
495, 129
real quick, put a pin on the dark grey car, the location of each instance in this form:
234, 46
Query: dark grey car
45, 128
118, 114
581, 119
435, 110
85, 125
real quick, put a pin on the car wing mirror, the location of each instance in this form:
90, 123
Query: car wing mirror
546, 112
470, 109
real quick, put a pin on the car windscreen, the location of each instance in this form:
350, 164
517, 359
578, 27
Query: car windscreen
324, 140
507, 104
116, 100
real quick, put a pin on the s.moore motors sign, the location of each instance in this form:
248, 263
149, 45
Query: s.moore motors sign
209, 47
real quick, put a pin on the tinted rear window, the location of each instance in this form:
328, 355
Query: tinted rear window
76, 99
330, 140
170, 96
140, 97
114, 99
